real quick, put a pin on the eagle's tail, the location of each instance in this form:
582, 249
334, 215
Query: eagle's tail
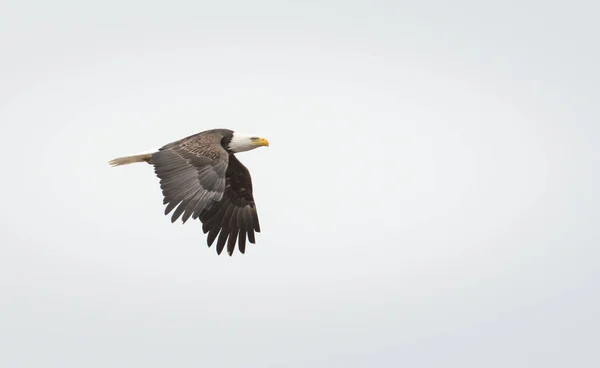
142, 157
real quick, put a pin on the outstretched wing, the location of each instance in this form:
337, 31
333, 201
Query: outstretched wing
234, 217
192, 174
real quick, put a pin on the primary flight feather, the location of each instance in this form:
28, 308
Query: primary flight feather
201, 178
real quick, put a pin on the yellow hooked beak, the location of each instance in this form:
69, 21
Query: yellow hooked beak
262, 142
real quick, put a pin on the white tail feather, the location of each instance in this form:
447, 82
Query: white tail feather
138, 157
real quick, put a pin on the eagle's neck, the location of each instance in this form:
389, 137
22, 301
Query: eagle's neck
239, 143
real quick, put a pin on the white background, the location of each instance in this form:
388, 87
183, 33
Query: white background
429, 199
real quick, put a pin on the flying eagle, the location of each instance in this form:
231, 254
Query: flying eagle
201, 178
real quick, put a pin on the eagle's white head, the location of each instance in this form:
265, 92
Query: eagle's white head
243, 142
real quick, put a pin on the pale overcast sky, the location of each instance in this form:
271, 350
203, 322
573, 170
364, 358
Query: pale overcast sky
430, 197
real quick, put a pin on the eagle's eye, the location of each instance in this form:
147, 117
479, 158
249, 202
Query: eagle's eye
254, 139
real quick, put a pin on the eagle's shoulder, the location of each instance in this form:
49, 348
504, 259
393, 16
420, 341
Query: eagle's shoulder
207, 144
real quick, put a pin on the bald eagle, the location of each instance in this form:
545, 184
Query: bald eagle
201, 178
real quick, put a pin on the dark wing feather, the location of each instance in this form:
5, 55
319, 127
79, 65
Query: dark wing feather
192, 174
234, 217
